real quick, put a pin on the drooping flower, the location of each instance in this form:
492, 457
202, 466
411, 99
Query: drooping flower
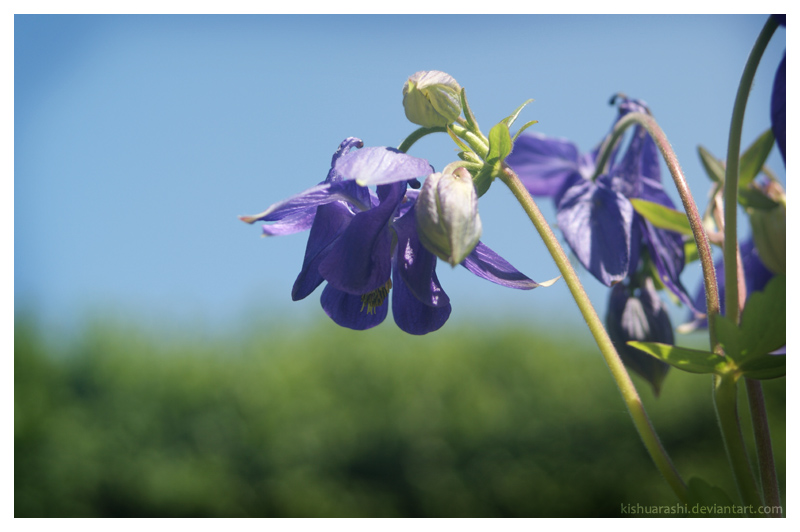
636, 313
596, 217
365, 244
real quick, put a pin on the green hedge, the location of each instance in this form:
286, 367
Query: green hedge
321, 421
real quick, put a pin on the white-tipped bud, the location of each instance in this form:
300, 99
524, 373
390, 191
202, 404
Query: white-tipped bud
447, 215
432, 98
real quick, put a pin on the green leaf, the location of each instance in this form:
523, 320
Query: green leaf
712, 165
728, 336
509, 120
691, 360
662, 216
764, 367
753, 159
525, 126
753, 198
763, 328
499, 144
704, 499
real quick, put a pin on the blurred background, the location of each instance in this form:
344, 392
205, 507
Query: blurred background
161, 367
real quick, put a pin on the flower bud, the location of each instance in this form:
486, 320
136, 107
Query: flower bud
769, 230
447, 215
432, 98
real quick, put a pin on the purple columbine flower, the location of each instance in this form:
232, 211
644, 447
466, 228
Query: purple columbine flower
596, 217
365, 244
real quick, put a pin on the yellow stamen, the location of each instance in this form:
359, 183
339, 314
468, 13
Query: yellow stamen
376, 298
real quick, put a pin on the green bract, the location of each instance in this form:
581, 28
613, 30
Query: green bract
447, 215
432, 98
769, 229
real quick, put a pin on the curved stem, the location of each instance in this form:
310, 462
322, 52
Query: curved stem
728, 418
695, 221
623, 380
732, 169
735, 292
418, 134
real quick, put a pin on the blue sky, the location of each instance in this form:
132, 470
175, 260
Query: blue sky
139, 139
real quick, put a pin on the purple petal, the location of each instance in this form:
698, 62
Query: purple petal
488, 265
308, 200
630, 105
652, 190
651, 160
643, 319
344, 148
756, 277
295, 223
346, 310
666, 250
544, 164
416, 265
637, 235
360, 261
331, 221
640, 160
411, 314
380, 166
778, 106
596, 223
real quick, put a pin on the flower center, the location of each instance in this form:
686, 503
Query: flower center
376, 298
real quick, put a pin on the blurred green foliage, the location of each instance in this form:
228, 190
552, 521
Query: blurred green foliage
323, 421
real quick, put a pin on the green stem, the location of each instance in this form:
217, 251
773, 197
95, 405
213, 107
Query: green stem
734, 298
695, 221
732, 169
620, 375
766, 462
478, 144
418, 134
728, 418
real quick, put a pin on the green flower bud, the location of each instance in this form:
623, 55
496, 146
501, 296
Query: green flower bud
447, 215
432, 98
769, 230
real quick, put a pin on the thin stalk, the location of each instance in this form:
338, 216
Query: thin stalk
732, 169
734, 298
766, 462
629, 394
728, 418
418, 134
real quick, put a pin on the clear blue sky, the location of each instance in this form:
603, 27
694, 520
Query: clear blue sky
139, 139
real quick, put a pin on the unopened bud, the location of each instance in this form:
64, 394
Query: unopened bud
447, 215
432, 98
